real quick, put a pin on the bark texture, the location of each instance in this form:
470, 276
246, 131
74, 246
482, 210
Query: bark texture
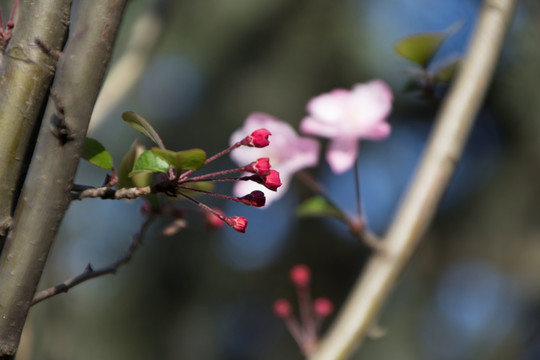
26, 73
45, 195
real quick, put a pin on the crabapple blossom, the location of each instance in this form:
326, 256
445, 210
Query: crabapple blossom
238, 223
272, 180
282, 308
258, 138
255, 198
323, 307
259, 167
346, 116
312, 313
287, 152
300, 275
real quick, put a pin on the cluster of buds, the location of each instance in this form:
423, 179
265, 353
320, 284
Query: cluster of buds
312, 313
260, 171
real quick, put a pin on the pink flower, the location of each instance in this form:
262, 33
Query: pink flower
346, 116
287, 152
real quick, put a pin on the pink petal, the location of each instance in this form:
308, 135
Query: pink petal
329, 107
341, 154
372, 100
380, 131
312, 126
305, 153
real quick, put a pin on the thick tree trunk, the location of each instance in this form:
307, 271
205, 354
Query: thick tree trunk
45, 194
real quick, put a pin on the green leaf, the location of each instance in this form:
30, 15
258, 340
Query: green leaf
95, 153
318, 207
169, 156
191, 159
421, 48
149, 162
142, 126
183, 160
137, 180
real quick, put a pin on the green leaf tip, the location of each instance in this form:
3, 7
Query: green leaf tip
95, 153
143, 126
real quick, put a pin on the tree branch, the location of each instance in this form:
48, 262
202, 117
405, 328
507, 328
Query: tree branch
440, 158
26, 74
46, 192
109, 193
90, 273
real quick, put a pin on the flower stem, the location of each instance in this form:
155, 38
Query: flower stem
357, 188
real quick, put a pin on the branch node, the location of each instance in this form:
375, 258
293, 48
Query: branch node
55, 54
59, 126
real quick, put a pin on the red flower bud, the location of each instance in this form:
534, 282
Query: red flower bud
238, 223
272, 181
282, 308
259, 167
258, 138
255, 198
323, 307
300, 275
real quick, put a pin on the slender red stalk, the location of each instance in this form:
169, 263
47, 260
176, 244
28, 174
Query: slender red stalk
214, 157
203, 206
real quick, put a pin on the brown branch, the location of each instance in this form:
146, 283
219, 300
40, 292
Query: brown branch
45, 195
420, 203
106, 192
91, 273
26, 73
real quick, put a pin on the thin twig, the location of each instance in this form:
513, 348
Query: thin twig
443, 152
91, 273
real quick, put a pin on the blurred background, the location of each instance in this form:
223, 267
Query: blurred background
471, 290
